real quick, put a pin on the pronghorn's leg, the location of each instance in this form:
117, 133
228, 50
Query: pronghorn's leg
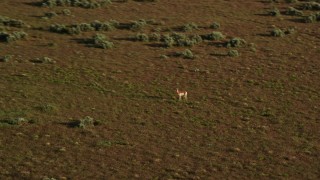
179, 97
186, 96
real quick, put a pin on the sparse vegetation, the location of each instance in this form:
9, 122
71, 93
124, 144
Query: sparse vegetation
85, 122
66, 12
177, 39
83, 27
141, 37
236, 42
154, 37
76, 3
6, 58
100, 41
248, 92
233, 53
14, 36
138, 25
312, 18
6, 21
294, 12
189, 27
215, 36
43, 60
15, 121
215, 25
274, 12
310, 6
186, 54
277, 32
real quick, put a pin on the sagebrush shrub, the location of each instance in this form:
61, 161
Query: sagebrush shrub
154, 37
76, 3
277, 32
294, 12
187, 54
50, 14
215, 25
142, 37
312, 18
14, 36
189, 27
66, 12
236, 42
100, 26
168, 40
6, 21
214, 36
177, 39
86, 122
310, 6
274, 12
233, 53
100, 41
138, 25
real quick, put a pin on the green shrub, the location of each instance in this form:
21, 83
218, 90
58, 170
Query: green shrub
99, 26
6, 21
76, 3
168, 40
274, 12
17, 35
6, 58
155, 37
233, 53
66, 12
58, 28
189, 27
142, 37
312, 18
86, 122
310, 6
236, 42
213, 36
215, 25
294, 12
100, 41
138, 25
164, 56
84, 27
290, 30
15, 121
50, 14
187, 54
43, 60
177, 39
277, 32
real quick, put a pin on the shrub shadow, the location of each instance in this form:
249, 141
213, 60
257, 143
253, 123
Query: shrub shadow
84, 41
217, 44
71, 124
38, 4
156, 45
300, 20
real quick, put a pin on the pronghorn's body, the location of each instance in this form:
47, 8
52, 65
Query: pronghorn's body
182, 94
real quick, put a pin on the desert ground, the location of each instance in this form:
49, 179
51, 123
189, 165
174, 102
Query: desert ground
88, 89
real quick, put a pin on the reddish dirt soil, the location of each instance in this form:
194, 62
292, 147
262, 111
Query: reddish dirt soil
255, 116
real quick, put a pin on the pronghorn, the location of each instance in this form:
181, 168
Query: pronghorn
182, 93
